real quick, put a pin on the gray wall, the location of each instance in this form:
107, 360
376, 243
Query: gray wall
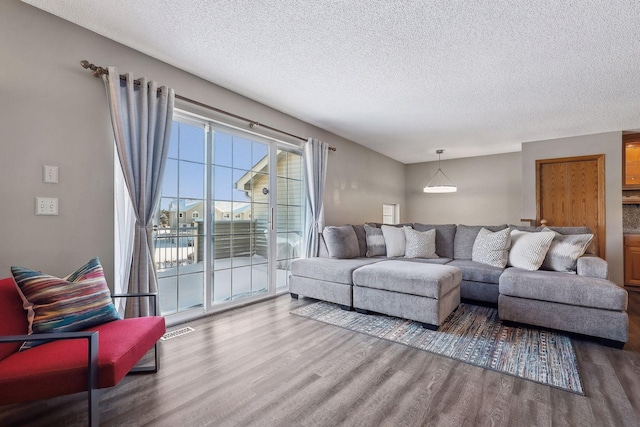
489, 191
609, 144
54, 112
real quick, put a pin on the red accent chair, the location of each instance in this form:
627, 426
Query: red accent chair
72, 362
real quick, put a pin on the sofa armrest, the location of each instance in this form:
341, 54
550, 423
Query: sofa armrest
151, 295
593, 266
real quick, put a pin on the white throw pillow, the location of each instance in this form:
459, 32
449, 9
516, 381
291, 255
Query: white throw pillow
395, 240
565, 250
420, 244
492, 248
529, 249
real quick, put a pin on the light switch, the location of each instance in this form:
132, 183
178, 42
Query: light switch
50, 174
46, 206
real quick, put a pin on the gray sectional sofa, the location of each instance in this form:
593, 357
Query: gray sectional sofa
583, 301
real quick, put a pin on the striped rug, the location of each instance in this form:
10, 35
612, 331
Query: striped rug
472, 334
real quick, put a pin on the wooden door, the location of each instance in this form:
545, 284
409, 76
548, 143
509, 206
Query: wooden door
570, 192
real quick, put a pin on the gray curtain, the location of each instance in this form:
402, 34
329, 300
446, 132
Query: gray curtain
141, 116
316, 154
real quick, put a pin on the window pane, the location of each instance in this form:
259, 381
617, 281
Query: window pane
168, 292
241, 282
222, 150
192, 143
282, 191
241, 153
190, 291
174, 141
259, 279
170, 179
191, 180
222, 183
260, 182
260, 157
241, 185
221, 286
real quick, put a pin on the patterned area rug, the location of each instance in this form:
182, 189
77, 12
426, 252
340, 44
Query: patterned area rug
474, 335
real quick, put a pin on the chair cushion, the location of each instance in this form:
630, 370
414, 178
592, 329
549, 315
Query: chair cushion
79, 301
60, 367
563, 288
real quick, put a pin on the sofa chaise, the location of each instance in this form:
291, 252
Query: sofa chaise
580, 300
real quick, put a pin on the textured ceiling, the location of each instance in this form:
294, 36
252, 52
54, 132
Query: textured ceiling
403, 78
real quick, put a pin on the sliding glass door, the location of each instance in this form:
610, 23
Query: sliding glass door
230, 218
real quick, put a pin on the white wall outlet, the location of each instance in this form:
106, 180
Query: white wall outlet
46, 206
50, 174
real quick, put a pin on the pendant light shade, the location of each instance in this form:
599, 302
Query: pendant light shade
440, 183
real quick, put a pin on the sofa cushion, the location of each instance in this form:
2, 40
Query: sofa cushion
60, 367
420, 244
375, 241
492, 247
565, 250
477, 272
394, 240
563, 288
329, 269
465, 238
445, 236
528, 250
342, 241
79, 301
432, 281
14, 319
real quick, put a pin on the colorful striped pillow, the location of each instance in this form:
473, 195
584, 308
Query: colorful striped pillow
79, 301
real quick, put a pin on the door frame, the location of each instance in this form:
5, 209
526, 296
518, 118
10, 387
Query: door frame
600, 158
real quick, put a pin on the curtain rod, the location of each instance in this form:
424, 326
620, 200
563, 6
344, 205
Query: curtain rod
99, 71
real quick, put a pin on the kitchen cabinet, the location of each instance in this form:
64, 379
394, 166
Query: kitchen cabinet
631, 161
632, 259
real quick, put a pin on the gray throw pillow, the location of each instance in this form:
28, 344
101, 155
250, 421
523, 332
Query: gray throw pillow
420, 244
375, 241
394, 240
341, 241
492, 248
565, 250
466, 236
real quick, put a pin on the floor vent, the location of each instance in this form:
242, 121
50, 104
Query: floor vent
177, 333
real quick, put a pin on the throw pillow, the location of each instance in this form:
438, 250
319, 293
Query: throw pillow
394, 239
79, 301
565, 250
529, 249
375, 241
420, 244
492, 248
342, 241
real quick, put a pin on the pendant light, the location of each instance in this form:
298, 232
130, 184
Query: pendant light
440, 183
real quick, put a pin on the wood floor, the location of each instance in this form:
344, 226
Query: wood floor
261, 366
